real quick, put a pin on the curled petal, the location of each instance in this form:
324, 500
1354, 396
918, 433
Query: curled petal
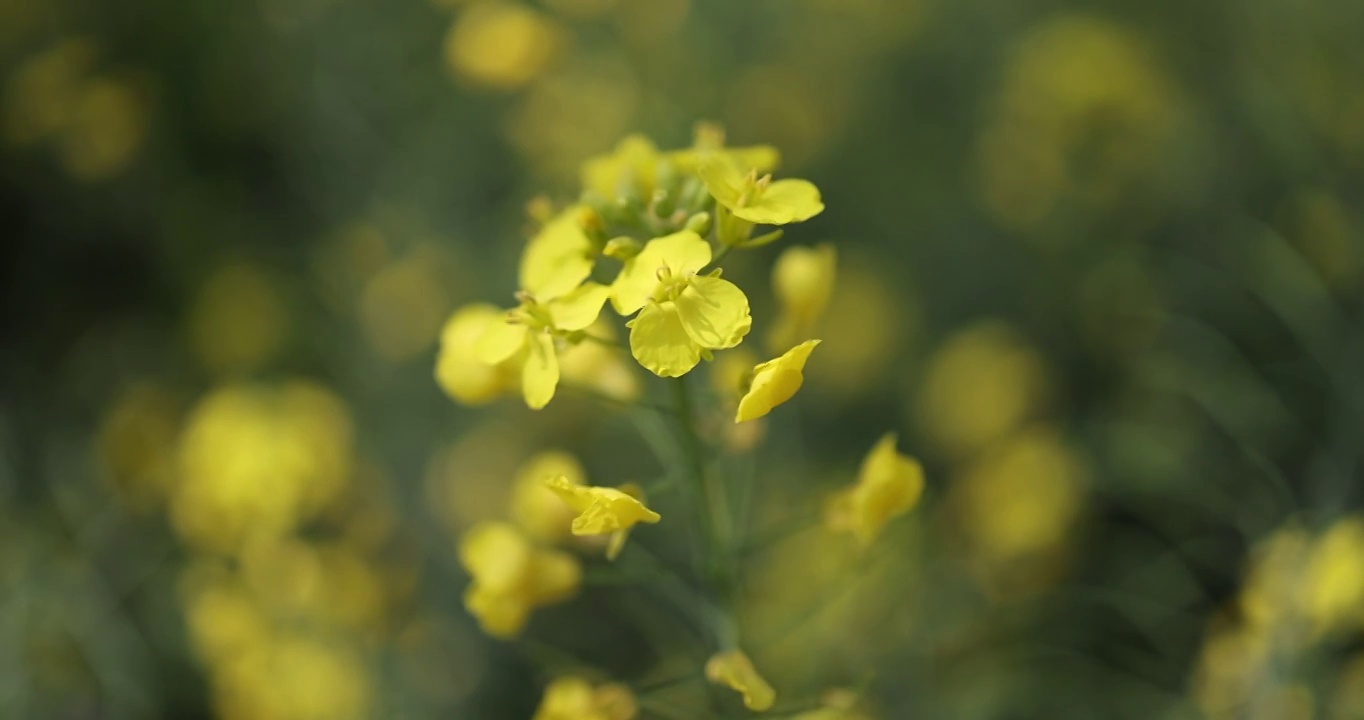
783, 202
714, 313
660, 343
775, 382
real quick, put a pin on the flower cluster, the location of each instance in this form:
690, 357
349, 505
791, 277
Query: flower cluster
648, 238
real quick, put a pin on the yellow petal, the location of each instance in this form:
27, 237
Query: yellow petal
495, 554
775, 382
540, 371
460, 374
573, 494
660, 343
733, 669
602, 510
714, 312
784, 201
632, 165
724, 180
557, 259
579, 308
761, 158
803, 279
677, 255
888, 484
555, 576
501, 616
499, 341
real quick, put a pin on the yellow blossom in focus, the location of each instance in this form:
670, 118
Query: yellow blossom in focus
604, 511
527, 338
558, 258
733, 669
534, 506
682, 315
573, 698
1332, 586
238, 320
803, 282
759, 199
888, 484
511, 577
774, 382
984, 382
461, 374
502, 45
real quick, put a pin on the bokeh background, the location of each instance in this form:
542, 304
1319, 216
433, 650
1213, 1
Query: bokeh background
1100, 265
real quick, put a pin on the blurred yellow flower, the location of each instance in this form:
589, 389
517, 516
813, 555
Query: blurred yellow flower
1332, 586
238, 320
604, 511
403, 304
502, 45
629, 170
774, 382
597, 366
1021, 499
984, 382
44, 91
527, 338
759, 199
803, 282
459, 372
573, 698
534, 506
733, 669
259, 460
136, 444
888, 484
105, 129
293, 677
558, 258
511, 577
682, 315
709, 140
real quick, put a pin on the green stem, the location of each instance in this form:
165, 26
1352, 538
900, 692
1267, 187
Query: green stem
711, 507
612, 400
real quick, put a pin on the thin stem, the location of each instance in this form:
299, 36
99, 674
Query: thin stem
711, 507
618, 402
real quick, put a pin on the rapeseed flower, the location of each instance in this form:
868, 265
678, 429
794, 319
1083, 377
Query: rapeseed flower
512, 577
604, 511
460, 373
573, 698
733, 669
528, 337
534, 506
558, 258
682, 315
631, 168
888, 484
758, 199
774, 382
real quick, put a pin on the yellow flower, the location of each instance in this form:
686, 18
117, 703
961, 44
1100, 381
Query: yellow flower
803, 281
759, 199
682, 315
573, 698
888, 484
559, 258
512, 577
1332, 589
709, 141
538, 509
732, 668
459, 372
501, 45
629, 169
774, 382
527, 338
603, 511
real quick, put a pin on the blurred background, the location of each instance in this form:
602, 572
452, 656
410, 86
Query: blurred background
1100, 265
